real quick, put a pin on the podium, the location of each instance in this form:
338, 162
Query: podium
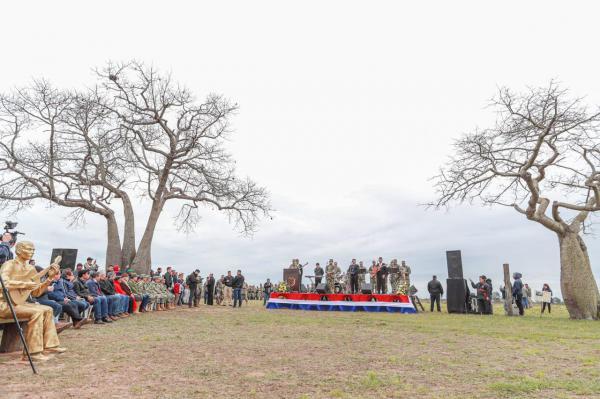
292, 279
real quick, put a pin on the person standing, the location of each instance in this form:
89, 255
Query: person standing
382, 274
5, 252
373, 269
353, 273
362, 271
319, 272
210, 288
330, 276
546, 298
267, 288
435, 292
193, 280
237, 284
227, 288
517, 291
482, 289
526, 296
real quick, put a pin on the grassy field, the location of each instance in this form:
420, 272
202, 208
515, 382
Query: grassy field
254, 353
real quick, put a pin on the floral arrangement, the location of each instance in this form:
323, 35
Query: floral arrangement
282, 287
402, 289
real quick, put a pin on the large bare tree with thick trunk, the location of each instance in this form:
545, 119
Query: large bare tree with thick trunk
541, 158
39, 157
176, 144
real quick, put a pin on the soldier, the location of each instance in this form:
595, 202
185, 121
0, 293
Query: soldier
330, 274
405, 274
136, 290
194, 281
170, 297
146, 287
394, 276
362, 271
160, 297
219, 291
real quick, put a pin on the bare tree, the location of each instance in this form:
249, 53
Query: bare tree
38, 159
176, 145
542, 158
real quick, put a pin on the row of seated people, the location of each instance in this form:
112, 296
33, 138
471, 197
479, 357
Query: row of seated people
108, 297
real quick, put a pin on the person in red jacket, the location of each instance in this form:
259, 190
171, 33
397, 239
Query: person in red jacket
119, 290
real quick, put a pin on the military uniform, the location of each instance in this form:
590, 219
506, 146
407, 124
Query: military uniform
394, 277
361, 275
332, 272
405, 274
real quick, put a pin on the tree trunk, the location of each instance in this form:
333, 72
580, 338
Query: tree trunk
143, 258
128, 252
113, 243
508, 305
579, 288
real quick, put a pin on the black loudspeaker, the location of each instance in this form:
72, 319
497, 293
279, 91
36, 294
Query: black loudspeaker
321, 289
69, 257
456, 295
454, 261
366, 288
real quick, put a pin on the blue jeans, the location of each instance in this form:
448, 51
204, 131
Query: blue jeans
114, 304
100, 307
56, 307
266, 297
237, 296
82, 305
145, 299
122, 303
525, 302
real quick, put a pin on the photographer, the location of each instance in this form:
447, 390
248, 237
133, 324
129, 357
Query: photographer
5, 248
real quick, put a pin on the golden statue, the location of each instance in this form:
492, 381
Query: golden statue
21, 280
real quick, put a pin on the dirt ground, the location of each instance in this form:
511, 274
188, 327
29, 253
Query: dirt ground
255, 353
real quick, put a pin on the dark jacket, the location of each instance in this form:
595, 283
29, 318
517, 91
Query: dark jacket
125, 287
59, 293
482, 290
5, 252
238, 282
353, 269
210, 283
435, 287
517, 288
168, 279
93, 287
319, 272
227, 280
107, 287
81, 289
68, 288
192, 280
267, 288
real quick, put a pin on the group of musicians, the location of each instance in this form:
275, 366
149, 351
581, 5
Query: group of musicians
351, 282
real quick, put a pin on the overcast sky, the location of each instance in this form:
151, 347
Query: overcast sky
346, 110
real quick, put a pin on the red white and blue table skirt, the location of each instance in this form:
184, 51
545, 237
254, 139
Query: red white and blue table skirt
341, 302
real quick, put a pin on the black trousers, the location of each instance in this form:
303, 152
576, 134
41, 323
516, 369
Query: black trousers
318, 280
210, 298
519, 303
71, 309
381, 284
193, 296
353, 283
436, 298
544, 306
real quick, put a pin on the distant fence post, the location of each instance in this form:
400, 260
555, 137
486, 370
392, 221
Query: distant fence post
508, 290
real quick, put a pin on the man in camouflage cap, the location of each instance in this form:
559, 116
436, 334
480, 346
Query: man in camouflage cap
136, 288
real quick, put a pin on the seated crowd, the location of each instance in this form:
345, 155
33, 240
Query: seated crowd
87, 295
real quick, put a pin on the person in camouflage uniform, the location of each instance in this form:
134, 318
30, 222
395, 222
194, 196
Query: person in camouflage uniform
136, 290
161, 298
169, 296
145, 288
361, 275
219, 291
405, 274
332, 272
394, 277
